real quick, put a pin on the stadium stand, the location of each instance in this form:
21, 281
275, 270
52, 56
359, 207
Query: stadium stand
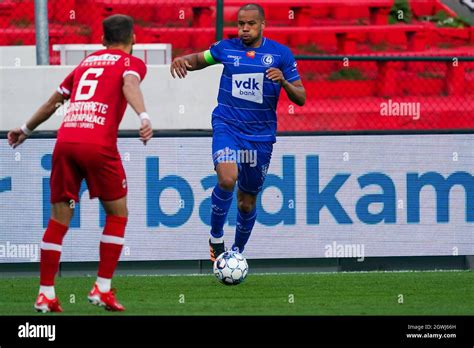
339, 97
337, 26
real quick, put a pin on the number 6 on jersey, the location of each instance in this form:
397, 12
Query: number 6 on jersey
92, 84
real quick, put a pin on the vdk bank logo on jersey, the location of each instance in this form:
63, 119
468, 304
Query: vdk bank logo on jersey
248, 87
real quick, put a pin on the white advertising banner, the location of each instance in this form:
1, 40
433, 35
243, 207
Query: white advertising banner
324, 196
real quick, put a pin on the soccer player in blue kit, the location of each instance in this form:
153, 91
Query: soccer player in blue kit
244, 122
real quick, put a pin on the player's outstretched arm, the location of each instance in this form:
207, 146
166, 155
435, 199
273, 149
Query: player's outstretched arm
133, 94
191, 62
18, 135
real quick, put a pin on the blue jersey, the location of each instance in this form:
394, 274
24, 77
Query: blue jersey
247, 100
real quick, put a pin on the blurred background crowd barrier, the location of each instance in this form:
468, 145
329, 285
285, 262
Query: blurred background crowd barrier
366, 64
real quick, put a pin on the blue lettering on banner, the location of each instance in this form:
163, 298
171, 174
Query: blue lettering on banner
388, 199
6, 184
155, 186
316, 199
287, 186
317, 196
442, 186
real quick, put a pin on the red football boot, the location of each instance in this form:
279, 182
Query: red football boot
44, 304
105, 299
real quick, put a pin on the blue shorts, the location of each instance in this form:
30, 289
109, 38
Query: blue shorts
252, 158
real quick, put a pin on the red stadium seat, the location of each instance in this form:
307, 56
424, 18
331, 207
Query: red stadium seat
198, 38
345, 36
323, 26
6, 10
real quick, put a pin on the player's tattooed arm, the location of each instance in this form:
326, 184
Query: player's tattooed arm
18, 135
295, 90
191, 62
133, 94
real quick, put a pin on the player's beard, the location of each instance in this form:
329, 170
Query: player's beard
251, 43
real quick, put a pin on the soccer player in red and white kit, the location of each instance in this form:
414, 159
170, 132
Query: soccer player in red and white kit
86, 148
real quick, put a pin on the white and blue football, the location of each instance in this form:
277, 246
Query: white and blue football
231, 268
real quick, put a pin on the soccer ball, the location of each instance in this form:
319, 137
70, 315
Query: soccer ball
231, 268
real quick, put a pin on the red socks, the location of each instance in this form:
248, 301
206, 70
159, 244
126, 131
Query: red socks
51, 251
111, 245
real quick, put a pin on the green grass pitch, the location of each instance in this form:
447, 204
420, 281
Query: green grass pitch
372, 293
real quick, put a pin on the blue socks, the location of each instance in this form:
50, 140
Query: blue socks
244, 227
220, 204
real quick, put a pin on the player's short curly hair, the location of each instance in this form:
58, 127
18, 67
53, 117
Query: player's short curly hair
118, 29
257, 7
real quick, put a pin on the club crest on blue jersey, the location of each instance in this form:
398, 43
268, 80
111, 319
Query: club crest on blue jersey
267, 60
